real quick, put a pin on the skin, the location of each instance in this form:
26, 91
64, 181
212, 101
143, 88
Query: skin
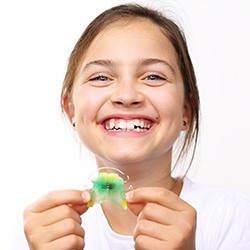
127, 73
54, 222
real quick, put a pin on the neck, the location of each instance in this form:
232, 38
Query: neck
150, 174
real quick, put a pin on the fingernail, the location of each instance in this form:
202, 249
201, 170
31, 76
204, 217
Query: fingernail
86, 195
129, 196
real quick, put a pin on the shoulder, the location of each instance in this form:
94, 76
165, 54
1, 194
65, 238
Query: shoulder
223, 216
201, 196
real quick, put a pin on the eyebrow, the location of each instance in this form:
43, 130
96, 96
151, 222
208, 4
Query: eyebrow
142, 62
105, 63
150, 61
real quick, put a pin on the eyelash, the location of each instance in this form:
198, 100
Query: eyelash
156, 77
98, 78
150, 80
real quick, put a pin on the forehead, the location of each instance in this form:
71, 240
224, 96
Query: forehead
132, 30
141, 38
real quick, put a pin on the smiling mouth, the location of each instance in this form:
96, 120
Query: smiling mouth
134, 125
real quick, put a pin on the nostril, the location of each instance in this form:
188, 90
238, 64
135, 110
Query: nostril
135, 103
119, 103
128, 103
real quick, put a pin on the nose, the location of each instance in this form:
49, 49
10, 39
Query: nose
127, 95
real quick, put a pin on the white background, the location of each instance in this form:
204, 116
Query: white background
38, 152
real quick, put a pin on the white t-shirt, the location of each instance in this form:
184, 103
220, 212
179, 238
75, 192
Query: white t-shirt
223, 222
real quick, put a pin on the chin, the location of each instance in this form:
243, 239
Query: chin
120, 159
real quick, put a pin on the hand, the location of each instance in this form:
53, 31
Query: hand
164, 220
54, 222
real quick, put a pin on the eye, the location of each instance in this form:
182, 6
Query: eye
101, 78
155, 78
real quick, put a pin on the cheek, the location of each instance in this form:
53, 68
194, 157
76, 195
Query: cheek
86, 109
87, 104
84, 106
168, 103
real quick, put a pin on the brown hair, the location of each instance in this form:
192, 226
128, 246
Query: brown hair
171, 30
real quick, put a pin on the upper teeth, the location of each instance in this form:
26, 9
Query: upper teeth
136, 125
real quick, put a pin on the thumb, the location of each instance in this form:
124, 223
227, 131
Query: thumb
82, 208
134, 207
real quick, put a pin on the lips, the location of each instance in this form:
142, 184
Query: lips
133, 125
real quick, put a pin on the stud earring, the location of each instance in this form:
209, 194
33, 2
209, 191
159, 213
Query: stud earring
74, 124
184, 123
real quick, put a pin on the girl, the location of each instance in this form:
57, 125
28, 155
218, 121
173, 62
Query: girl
130, 93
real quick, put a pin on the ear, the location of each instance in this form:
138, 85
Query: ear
187, 116
69, 108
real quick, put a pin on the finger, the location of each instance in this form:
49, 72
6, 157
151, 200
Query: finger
153, 234
62, 229
54, 215
68, 222
160, 214
69, 242
152, 229
56, 198
80, 209
158, 195
136, 208
148, 243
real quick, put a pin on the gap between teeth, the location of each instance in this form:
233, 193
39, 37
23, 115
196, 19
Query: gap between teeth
136, 125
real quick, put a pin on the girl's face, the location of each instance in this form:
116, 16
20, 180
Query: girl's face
128, 97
